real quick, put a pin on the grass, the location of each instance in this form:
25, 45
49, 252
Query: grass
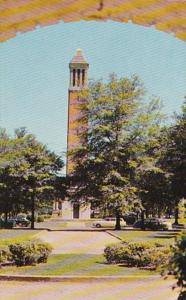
81, 264
139, 236
76, 264
49, 224
61, 225
9, 236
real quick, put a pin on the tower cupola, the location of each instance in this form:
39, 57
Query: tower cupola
78, 71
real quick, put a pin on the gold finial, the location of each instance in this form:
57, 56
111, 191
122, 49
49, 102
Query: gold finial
79, 51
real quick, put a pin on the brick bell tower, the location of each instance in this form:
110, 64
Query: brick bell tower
78, 81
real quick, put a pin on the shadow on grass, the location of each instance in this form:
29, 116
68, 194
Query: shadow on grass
113, 264
162, 235
103, 263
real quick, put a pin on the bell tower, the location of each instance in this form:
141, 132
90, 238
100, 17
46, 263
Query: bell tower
78, 81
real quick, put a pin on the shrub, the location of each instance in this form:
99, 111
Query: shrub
155, 257
114, 253
44, 249
29, 253
46, 216
138, 254
177, 263
4, 254
40, 219
23, 254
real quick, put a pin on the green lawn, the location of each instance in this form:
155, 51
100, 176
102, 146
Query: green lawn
8, 236
139, 236
80, 264
49, 224
76, 264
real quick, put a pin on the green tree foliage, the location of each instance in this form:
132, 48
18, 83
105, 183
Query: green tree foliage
156, 194
182, 208
120, 144
28, 171
177, 263
175, 158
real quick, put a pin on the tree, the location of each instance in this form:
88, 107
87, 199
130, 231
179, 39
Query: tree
28, 171
182, 208
175, 158
120, 142
156, 194
9, 185
60, 185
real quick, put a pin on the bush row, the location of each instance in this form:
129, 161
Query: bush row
138, 254
25, 254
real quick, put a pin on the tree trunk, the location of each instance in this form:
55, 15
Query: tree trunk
142, 220
32, 210
6, 217
176, 212
118, 225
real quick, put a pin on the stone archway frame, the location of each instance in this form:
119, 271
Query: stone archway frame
26, 15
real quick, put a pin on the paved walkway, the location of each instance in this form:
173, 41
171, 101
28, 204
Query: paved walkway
148, 289
77, 242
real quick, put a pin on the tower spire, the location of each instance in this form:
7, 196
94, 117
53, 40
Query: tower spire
78, 71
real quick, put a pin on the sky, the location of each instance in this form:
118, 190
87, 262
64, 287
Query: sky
34, 72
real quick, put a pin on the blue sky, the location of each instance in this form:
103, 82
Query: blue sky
35, 76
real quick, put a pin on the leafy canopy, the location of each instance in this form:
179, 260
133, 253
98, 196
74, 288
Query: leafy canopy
119, 141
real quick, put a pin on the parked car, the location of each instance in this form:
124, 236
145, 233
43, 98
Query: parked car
9, 225
107, 223
130, 218
153, 224
22, 221
29, 217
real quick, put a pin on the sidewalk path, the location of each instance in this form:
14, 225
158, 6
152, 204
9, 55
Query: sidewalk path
144, 289
88, 242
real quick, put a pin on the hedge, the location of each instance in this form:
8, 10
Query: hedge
29, 253
138, 254
4, 255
